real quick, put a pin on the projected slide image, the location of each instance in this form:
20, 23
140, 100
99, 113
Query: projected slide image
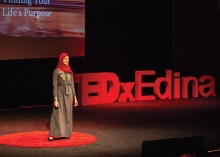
42, 18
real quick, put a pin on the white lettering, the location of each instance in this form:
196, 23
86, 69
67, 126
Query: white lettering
37, 14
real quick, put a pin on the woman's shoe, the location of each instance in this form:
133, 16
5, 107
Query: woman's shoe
67, 138
50, 139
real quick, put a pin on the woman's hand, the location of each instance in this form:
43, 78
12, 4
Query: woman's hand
75, 102
55, 103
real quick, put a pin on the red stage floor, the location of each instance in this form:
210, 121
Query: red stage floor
120, 128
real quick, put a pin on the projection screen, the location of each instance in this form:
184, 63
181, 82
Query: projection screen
41, 28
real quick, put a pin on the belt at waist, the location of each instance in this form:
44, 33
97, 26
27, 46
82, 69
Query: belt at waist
67, 88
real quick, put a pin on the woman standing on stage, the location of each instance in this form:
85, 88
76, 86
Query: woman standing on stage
64, 94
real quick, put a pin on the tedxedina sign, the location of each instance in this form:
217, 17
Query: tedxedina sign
105, 87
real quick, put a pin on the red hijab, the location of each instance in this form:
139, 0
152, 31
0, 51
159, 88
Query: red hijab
61, 66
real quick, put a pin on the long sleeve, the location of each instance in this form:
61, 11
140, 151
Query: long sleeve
55, 83
73, 87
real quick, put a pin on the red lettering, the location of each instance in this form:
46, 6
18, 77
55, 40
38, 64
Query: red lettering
87, 89
210, 86
168, 83
110, 87
185, 83
126, 89
176, 85
139, 85
105, 87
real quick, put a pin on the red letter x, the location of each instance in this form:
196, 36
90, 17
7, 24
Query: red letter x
126, 89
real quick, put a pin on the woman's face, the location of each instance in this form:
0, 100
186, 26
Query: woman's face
66, 60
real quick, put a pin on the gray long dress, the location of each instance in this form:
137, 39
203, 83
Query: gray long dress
61, 117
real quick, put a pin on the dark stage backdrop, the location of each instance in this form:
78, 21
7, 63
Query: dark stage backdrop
196, 40
121, 37
124, 36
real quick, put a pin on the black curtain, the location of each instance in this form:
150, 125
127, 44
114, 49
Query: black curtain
124, 36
